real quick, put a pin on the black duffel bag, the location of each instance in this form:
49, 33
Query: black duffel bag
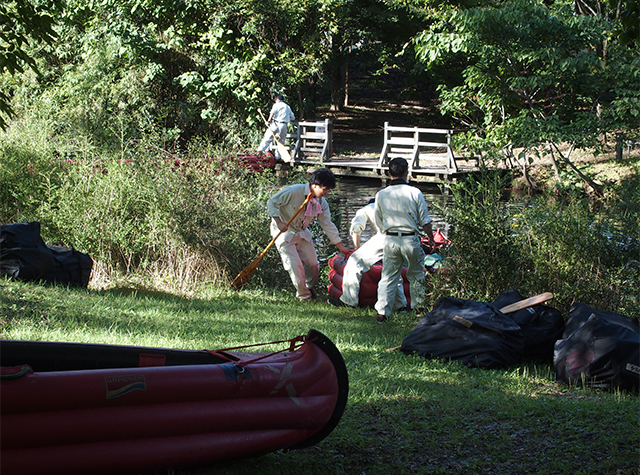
598, 350
474, 333
23, 253
25, 256
541, 326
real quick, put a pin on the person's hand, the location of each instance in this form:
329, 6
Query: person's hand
343, 249
282, 226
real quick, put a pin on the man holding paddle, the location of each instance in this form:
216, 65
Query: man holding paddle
279, 117
292, 210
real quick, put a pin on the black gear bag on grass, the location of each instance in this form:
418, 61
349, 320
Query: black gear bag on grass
541, 326
25, 256
598, 350
471, 332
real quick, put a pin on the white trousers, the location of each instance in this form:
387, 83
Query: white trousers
280, 131
300, 260
360, 262
397, 251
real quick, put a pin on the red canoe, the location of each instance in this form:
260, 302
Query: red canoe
368, 294
73, 408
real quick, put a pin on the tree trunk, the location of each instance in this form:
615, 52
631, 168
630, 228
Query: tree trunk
596, 188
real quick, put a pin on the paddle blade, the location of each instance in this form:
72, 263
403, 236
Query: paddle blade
530, 302
246, 273
284, 153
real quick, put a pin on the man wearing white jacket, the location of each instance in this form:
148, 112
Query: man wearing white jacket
294, 241
279, 117
362, 260
401, 215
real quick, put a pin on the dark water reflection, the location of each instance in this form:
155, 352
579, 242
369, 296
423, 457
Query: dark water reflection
354, 193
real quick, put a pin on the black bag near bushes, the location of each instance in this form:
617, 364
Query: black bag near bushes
472, 332
541, 325
25, 256
23, 253
598, 350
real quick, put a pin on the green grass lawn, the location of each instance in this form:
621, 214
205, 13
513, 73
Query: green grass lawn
406, 414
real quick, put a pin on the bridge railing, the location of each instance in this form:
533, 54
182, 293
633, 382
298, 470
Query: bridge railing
421, 147
312, 138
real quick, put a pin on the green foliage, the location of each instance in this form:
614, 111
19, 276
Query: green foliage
23, 25
549, 75
143, 212
483, 261
576, 249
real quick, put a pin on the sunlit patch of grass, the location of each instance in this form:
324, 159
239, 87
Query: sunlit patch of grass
406, 414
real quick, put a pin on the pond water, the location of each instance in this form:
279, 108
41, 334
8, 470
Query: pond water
354, 193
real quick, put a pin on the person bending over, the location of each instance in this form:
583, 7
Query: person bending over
295, 244
363, 259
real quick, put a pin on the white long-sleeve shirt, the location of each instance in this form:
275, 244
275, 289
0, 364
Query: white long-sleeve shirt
281, 112
284, 205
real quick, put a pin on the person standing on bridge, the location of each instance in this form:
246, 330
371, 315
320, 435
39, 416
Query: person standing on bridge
279, 117
295, 244
363, 259
401, 214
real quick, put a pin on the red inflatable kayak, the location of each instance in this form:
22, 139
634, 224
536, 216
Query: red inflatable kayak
368, 294
72, 408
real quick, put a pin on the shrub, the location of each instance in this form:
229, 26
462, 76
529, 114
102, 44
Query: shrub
578, 249
484, 260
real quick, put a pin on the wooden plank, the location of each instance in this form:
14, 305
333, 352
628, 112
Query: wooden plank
401, 141
433, 144
314, 136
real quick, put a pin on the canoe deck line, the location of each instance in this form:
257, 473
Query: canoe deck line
77, 408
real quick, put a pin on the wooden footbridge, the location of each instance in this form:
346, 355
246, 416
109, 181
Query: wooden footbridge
431, 157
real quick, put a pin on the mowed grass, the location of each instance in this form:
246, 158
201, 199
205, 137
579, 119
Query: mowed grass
406, 414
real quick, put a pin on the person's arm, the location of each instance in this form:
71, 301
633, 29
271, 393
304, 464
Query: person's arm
282, 226
356, 240
329, 228
276, 203
428, 230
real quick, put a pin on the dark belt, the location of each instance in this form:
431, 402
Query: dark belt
390, 233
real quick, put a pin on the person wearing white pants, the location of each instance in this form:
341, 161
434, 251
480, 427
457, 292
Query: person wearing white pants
279, 117
362, 260
401, 215
295, 243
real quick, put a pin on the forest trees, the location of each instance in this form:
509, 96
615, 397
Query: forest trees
517, 73
21, 25
126, 69
532, 76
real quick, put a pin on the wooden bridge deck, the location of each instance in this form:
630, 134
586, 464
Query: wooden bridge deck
367, 167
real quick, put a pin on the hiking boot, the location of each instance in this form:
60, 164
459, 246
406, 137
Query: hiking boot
380, 318
337, 302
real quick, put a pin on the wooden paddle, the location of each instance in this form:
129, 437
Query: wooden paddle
514, 307
284, 153
530, 302
248, 271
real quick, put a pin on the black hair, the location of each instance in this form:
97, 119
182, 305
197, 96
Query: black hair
279, 96
398, 167
372, 200
323, 177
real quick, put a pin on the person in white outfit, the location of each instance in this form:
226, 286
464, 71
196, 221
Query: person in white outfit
363, 259
279, 117
295, 244
401, 215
